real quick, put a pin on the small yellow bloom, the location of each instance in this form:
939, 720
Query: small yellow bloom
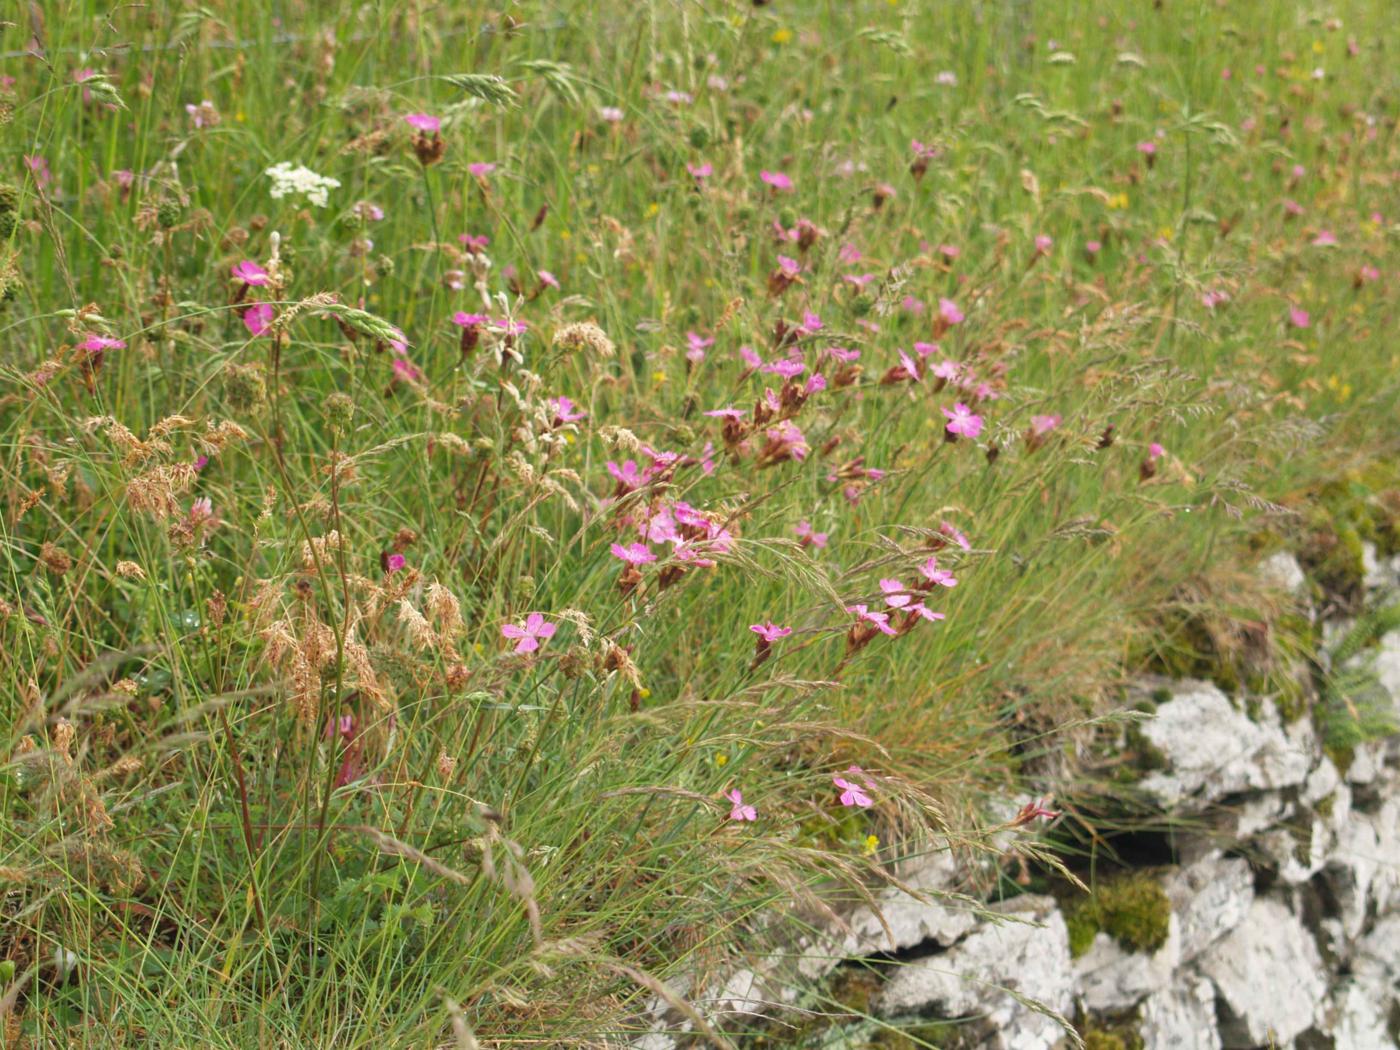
644, 693
1166, 233
652, 209
564, 235
872, 843
580, 258
721, 759
658, 377
781, 36
1117, 201
1318, 47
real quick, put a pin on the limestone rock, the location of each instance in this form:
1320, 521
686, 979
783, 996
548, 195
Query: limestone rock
1109, 978
1180, 1017
1028, 954
1269, 976
1213, 750
1283, 571
1209, 899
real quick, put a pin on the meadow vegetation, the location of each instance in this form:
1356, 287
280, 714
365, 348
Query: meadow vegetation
506, 505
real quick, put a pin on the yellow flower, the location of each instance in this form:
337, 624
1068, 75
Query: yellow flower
652, 209
721, 759
644, 693
564, 235
781, 36
1317, 47
872, 843
658, 377
1165, 232
1118, 200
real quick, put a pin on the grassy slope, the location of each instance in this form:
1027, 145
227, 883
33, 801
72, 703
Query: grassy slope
187, 838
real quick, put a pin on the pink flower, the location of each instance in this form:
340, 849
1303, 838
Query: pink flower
896, 595
849, 254
96, 344
787, 368
1213, 298
947, 528
930, 571
39, 168
1155, 451
963, 421
393, 563
949, 251
251, 274
776, 179
562, 410
1324, 239
948, 310
1042, 425
1093, 247
628, 475
1298, 317
806, 534
547, 278
881, 620
536, 630
633, 553
922, 610
258, 317
750, 356
811, 323
610, 114
475, 245
405, 371
1369, 273
1148, 148
1292, 207
851, 794
698, 344
788, 267
1043, 244
739, 811
769, 631
424, 122
481, 168
860, 280
701, 171
726, 413
466, 320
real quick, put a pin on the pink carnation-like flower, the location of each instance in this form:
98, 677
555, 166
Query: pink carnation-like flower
769, 631
258, 317
251, 274
963, 421
424, 122
739, 811
633, 553
528, 636
852, 794
776, 179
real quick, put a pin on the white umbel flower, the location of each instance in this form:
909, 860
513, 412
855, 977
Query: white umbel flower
301, 181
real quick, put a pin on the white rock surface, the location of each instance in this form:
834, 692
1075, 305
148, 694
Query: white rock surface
1108, 978
1028, 954
1180, 1017
1269, 974
1212, 749
1283, 571
1209, 899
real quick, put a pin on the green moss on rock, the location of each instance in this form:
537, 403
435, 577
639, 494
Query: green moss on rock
1132, 909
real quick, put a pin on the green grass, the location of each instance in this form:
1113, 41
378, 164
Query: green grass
521, 846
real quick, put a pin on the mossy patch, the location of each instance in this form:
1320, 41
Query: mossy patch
1132, 909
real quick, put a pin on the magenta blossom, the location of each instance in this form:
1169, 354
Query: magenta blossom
948, 310
1155, 451
896, 594
776, 179
472, 244
1042, 425
481, 168
808, 536
1299, 318
528, 638
852, 794
880, 620
739, 811
1324, 239
393, 563
548, 279
633, 554
96, 344
701, 171
424, 122
698, 344
562, 411
251, 274
947, 528
930, 571
258, 317
963, 421
1043, 244
769, 631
